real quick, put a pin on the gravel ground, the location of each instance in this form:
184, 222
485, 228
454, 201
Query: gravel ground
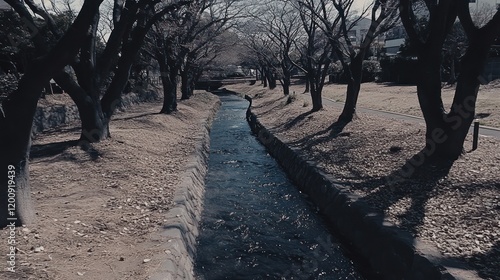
457, 207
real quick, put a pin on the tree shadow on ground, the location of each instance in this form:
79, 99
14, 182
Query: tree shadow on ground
333, 131
416, 181
293, 122
59, 130
406, 189
274, 105
57, 148
478, 218
486, 263
419, 181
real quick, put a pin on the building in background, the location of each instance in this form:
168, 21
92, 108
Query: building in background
395, 37
358, 31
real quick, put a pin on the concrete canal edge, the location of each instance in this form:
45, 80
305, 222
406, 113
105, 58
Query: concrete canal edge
390, 252
183, 218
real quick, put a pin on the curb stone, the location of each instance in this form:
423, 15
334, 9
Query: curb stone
184, 216
390, 252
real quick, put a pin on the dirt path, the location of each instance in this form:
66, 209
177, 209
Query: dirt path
456, 207
97, 209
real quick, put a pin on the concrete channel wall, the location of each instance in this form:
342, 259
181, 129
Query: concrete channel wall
390, 252
184, 217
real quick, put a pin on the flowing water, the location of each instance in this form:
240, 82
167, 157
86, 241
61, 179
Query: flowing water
255, 223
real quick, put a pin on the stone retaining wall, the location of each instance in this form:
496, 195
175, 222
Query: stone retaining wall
184, 217
56, 115
390, 252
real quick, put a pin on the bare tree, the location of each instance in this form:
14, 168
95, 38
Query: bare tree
316, 50
163, 45
384, 15
131, 22
337, 27
282, 26
212, 19
264, 53
19, 107
182, 42
456, 42
18, 110
446, 131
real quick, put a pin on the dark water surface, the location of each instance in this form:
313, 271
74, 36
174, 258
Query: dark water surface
256, 224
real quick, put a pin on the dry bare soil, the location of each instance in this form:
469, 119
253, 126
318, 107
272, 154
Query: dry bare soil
456, 208
98, 210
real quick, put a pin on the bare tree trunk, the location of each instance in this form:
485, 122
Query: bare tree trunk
93, 128
124, 17
169, 81
317, 101
264, 77
453, 72
429, 93
189, 75
170, 94
19, 110
271, 79
458, 121
286, 85
97, 113
187, 83
112, 98
353, 87
86, 93
16, 120
286, 80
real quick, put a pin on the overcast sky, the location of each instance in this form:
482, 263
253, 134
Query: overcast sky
359, 4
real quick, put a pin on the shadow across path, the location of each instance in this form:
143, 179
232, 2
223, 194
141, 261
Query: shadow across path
53, 149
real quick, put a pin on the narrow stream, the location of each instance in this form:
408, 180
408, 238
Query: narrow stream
256, 224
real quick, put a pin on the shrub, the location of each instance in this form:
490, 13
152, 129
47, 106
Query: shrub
371, 69
398, 69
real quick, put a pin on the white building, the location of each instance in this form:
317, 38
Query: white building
358, 32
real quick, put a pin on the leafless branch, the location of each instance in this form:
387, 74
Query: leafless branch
408, 20
466, 19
